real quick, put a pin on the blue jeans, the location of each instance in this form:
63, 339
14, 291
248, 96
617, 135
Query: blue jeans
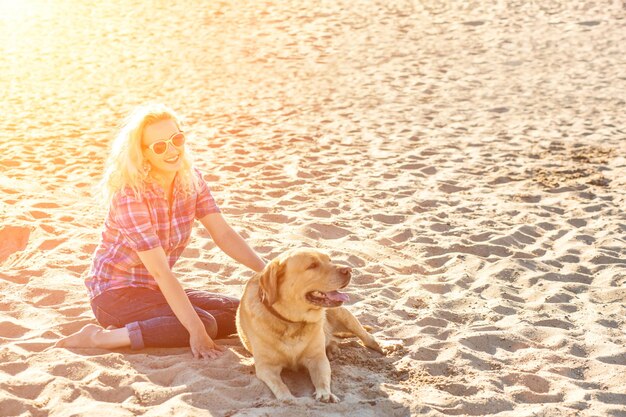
152, 323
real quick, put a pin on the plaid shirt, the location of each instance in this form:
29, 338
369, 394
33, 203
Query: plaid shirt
135, 225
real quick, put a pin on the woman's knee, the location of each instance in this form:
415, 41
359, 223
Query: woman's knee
234, 303
210, 324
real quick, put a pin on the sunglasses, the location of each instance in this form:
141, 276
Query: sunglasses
159, 148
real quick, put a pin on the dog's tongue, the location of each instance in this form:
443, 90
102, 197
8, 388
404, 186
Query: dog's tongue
337, 296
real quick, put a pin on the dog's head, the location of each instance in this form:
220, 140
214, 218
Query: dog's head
304, 277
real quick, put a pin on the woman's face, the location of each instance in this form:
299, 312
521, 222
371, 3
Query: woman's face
171, 160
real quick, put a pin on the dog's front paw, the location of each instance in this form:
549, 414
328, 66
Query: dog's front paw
326, 397
389, 347
374, 345
286, 398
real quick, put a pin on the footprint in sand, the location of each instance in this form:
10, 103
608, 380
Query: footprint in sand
534, 398
356, 262
450, 188
556, 323
578, 222
277, 218
12, 239
489, 343
617, 359
26, 387
505, 311
458, 390
9, 163
75, 371
11, 330
37, 214
51, 244
45, 205
319, 213
43, 297
389, 219
325, 231
13, 368
534, 383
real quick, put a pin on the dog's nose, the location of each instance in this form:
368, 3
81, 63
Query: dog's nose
345, 271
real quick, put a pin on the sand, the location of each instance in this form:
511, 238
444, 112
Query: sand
467, 159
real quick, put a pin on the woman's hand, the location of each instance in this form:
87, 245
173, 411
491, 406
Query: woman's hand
203, 347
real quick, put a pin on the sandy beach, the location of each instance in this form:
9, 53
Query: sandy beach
466, 159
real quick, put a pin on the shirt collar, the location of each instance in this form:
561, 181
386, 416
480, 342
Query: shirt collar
154, 188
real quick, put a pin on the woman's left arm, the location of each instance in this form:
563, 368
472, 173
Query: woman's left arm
228, 240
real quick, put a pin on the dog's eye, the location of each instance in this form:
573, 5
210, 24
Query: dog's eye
313, 266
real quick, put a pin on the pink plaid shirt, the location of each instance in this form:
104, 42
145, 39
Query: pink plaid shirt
134, 225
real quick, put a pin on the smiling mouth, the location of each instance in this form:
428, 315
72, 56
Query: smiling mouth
327, 299
172, 160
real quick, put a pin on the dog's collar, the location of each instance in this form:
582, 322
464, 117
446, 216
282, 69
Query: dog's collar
273, 311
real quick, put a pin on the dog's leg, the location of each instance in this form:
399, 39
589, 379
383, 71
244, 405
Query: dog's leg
270, 374
319, 369
340, 316
332, 349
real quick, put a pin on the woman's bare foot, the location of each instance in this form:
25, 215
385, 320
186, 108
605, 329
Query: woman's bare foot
84, 338
92, 336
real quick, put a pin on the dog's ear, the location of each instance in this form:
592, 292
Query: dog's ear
269, 281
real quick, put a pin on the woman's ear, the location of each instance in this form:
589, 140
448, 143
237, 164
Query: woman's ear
269, 281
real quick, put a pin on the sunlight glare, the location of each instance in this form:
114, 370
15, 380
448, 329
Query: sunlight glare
16, 10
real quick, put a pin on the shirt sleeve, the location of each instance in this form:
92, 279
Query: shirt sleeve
205, 203
133, 219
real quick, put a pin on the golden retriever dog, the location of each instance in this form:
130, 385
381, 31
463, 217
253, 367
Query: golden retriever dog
288, 314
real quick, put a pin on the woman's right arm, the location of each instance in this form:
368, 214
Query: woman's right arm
202, 346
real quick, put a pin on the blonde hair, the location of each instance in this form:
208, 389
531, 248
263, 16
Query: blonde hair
124, 169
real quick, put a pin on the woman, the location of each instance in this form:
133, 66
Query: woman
154, 195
